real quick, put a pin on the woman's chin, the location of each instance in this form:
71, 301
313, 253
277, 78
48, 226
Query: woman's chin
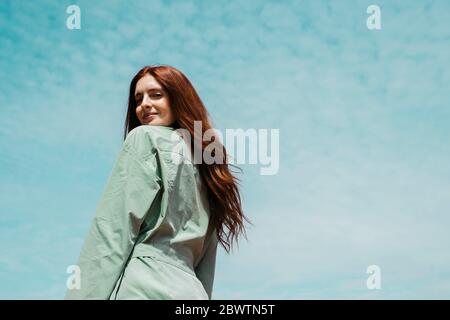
153, 123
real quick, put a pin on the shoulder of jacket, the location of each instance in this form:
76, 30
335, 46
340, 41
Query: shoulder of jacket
152, 137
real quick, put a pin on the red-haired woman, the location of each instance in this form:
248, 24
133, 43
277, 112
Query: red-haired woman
161, 215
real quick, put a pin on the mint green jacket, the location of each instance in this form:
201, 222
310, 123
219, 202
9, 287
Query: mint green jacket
150, 237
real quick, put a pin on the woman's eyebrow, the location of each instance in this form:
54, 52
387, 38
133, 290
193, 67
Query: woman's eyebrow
149, 89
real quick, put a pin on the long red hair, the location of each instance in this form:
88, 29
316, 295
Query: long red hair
187, 107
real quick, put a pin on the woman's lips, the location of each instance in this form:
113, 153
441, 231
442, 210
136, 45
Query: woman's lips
149, 116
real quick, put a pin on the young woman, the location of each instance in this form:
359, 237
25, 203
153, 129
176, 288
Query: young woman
161, 216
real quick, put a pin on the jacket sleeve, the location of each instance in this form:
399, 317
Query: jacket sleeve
129, 194
205, 269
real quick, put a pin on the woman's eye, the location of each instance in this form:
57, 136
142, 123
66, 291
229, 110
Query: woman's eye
156, 95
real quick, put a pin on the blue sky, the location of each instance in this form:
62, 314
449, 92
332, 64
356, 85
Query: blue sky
363, 115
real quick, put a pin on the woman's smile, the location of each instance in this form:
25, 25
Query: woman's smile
150, 116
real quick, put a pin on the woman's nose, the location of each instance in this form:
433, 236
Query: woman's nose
146, 101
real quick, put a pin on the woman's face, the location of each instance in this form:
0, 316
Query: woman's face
152, 103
